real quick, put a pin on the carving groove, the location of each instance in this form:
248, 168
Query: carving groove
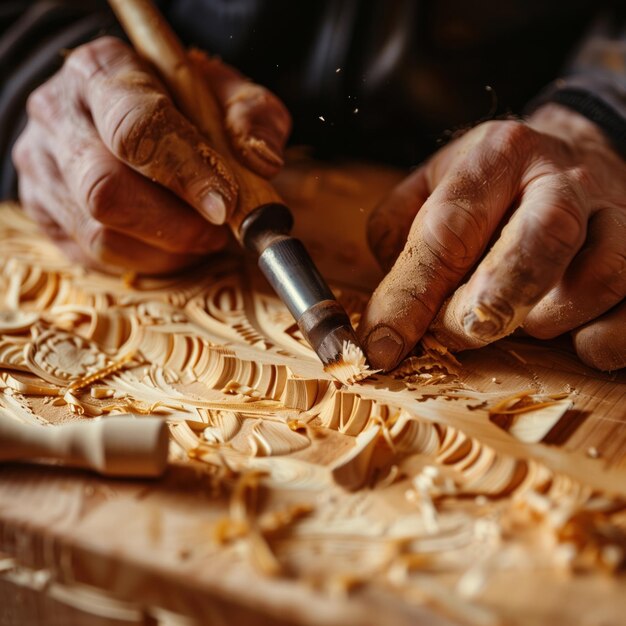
437, 467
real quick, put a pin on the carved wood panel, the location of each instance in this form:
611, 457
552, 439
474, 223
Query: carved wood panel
487, 489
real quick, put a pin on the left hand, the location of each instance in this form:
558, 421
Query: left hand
546, 201
119, 178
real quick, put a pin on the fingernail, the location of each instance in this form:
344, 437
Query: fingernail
384, 348
263, 150
213, 207
489, 320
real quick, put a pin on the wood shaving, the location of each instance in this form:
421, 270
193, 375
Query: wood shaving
399, 482
351, 367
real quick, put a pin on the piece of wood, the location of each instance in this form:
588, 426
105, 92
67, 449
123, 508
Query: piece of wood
486, 490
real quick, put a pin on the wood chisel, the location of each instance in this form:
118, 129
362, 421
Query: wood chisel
261, 222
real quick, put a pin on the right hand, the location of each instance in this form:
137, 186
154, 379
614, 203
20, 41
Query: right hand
119, 178
519, 224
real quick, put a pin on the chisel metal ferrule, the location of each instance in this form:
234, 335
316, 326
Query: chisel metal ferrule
292, 273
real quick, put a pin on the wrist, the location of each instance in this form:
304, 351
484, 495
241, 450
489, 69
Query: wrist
568, 125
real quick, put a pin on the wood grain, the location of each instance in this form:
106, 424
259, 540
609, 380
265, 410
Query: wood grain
484, 491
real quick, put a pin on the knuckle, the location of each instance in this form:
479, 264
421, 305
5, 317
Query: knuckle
454, 234
135, 127
558, 244
419, 301
43, 102
596, 346
609, 273
99, 190
36, 101
110, 45
559, 229
274, 104
581, 177
256, 100
261, 97
21, 153
92, 58
512, 132
95, 60
81, 59
250, 95
94, 239
510, 142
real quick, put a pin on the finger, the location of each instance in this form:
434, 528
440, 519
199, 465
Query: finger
528, 259
46, 198
141, 126
42, 218
118, 197
111, 251
389, 224
49, 208
594, 283
36, 167
257, 122
124, 201
115, 252
447, 325
602, 342
39, 214
448, 236
112, 192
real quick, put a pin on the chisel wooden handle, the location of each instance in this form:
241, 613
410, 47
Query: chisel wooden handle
113, 446
261, 222
155, 41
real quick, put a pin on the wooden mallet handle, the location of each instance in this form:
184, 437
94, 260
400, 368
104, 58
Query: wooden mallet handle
113, 446
157, 43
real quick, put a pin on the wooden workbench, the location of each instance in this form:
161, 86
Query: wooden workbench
423, 496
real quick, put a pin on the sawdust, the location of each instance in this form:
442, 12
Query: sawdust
222, 360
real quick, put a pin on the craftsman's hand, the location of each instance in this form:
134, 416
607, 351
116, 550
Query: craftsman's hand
558, 265
119, 178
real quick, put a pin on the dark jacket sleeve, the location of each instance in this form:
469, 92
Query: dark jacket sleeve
31, 36
594, 82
